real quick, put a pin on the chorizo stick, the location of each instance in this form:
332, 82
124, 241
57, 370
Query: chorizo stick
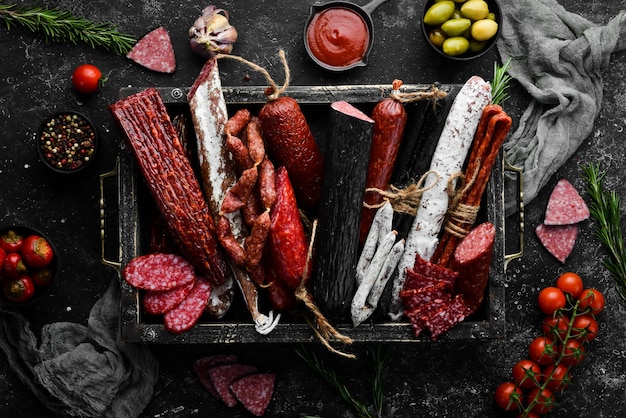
389, 122
448, 159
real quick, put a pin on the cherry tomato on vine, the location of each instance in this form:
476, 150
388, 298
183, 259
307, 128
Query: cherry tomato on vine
508, 396
542, 350
543, 401
591, 299
551, 299
557, 377
584, 328
571, 283
555, 326
573, 352
526, 373
86, 78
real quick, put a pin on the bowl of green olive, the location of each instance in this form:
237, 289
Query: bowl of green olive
461, 29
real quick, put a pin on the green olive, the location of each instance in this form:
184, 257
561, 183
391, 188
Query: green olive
484, 29
439, 13
475, 9
456, 45
456, 27
437, 37
476, 46
491, 16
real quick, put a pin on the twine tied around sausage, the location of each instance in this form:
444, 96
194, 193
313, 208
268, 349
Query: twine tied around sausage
403, 200
273, 91
461, 216
433, 94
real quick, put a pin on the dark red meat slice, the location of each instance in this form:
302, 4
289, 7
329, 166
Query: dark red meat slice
222, 377
187, 313
429, 269
414, 298
202, 366
155, 51
417, 315
559, 240
448, 315
159, 271
416, 280
565, 205
255, 391
157, 302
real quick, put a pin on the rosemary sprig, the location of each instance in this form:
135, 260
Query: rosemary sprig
500, 83
378, 357
605, 209
62, 26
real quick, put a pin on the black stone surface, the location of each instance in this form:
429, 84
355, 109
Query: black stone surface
430, 379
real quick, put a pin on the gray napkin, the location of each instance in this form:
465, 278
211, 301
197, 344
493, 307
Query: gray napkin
81, 370
557, 56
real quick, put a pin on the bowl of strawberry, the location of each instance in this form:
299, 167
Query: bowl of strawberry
28, 265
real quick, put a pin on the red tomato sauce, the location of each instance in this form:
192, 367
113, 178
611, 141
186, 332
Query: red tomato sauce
338, 36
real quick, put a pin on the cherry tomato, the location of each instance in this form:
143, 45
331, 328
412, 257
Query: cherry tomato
584, 328
543, 401
86, 78
11, 241
13, 265
508, 396
526, 374
3, 255
557, 377
555, 326
19, 289
570, 283
36, 252
591, 299
43, 277
542, 350
573, 352
551, 299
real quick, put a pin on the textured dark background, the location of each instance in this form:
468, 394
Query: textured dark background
430, 379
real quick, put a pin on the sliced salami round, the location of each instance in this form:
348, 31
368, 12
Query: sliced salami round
255, 391
154, 51
565, 205
202, 365
435, 271
156, 302
222, 376
418, 316
559, 240
414, 298
416, 280
158, 271
448, 315
186, 314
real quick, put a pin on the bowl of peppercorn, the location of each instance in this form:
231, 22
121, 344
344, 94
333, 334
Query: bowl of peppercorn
67, 142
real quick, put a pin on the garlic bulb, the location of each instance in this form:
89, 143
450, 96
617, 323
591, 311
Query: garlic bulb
211, 33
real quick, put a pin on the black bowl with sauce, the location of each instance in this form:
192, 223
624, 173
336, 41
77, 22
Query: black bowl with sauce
67, 142
339, 35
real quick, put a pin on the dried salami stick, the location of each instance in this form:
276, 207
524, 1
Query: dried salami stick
229, 242
254, 136
168, 173
237, 196
267, 183
255, 243
237, 123
239, 153
381, 225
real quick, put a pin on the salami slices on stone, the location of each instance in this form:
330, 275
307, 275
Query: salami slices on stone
559, 240
565, 205
158, 271
202, 365
223, 376
155, 51
255, 391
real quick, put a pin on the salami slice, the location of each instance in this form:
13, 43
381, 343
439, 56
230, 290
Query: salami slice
448, 315
255, 391
418, 315
202, 365
155, 51
156, 302
565, 205
414, 298
416, 280
559, 240
429, 269
158, 271
187, 313
222, 377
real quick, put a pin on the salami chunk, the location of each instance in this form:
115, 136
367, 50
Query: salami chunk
155, 51
565, 205
158, 271
187, 313
255, 391
559, 240
417, 316
157, 302
435, 271
202, 365
448, 315
222, 377
414, 298
416, 280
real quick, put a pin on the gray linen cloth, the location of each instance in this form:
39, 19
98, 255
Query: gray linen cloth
84, 371
558, 57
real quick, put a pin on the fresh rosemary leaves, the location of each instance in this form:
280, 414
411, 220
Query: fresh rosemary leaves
500, 83
605, 209
62, 26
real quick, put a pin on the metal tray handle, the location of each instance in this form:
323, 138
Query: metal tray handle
117, 265
520, 206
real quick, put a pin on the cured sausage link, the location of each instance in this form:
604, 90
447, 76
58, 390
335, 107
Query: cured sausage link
168, 173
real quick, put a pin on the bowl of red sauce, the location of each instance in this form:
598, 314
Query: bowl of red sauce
338, 35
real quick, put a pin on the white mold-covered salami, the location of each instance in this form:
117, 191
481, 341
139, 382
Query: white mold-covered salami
447, 161
186, 314
158, 271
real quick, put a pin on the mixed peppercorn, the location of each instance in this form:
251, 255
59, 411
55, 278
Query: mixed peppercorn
67, 141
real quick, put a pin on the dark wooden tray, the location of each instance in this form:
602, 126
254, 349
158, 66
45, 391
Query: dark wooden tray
134, 208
